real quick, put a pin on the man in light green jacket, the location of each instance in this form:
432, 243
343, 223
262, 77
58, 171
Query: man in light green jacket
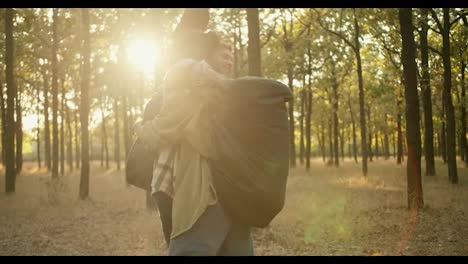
200, 225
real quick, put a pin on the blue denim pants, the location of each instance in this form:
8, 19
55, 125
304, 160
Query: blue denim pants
214, 234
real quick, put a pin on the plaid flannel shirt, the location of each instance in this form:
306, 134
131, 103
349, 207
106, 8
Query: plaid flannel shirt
163, 172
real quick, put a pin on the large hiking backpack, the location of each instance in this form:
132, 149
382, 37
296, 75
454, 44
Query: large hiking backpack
252, 163
139, 163
250, 132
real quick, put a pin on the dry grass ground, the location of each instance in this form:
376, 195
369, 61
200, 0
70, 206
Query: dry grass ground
328, 212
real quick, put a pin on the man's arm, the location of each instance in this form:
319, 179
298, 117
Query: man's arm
164, 203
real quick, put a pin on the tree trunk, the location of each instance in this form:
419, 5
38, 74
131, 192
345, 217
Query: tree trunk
19, 133
386, 141
236, 59
253, 48
70, 138
309, 108
77, 142
241, 46
3, 124
10, 175
399, 140
105, 153
451, 145
369, 147
353, 126
84, 107
302, 141
47, 147
62, 131
330, 141
342, 143
38, 135
116, 134
292, 142
321, 140
377, 149
55, 130
426, 98
362, 111
443, 147
394, 145
413, 136
350, 146
335, 116
387, 146
126, 133
464, 144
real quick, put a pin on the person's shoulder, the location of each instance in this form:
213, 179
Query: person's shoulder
180, 69
183, 65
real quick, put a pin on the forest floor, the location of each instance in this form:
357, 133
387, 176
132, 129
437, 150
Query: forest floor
329, 211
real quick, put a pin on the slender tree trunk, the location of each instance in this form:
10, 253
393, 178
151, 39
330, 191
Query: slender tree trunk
451, 145
320, 139
413, 165
116, 134
84, 107
291, 119
3, 124
350, 145
19, 133
353, 126
126, 133
335, 116
70, 138
55, 130
77, 142
236, 59
62, 131
47, 147
443, 147
369, 147
386, 141
426, 97
387, 145
324, 146
309, 108
330, 141
10, 175
105, 149
342, 143
394, 145
241, 46
38, 135
253, 48
399, 140
463, 113
101, 156
362, 111
382, 143
377, 148
302, 143
461, 151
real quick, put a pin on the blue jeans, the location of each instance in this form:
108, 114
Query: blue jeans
214, 234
